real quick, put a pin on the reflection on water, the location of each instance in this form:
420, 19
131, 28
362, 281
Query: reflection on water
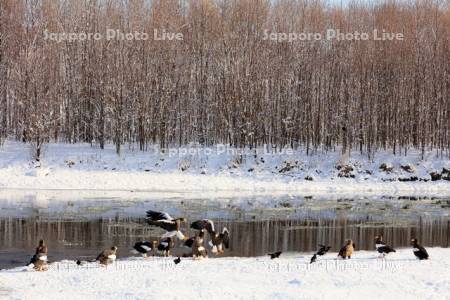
69, 239
79, 226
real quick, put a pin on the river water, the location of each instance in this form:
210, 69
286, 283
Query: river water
81, 229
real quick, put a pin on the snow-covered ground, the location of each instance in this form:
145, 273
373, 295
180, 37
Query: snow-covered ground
207, 171
74, 172
399, 276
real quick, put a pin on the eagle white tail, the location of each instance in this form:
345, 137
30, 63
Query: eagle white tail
178, 234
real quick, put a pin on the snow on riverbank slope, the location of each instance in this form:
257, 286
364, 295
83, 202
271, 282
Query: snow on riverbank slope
195, 169
399, 276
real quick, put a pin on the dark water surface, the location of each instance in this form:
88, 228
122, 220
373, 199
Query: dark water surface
284, 224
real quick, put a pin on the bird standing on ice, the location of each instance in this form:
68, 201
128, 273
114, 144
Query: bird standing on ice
166, 222
418, 250
39, 259
218, 240
198, 248
381, 246
145, 248
347, 250
165, 245
107, 256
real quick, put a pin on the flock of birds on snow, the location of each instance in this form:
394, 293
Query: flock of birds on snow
218, 241
347, 250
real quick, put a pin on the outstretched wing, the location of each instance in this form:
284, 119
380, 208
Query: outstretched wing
164, 224
203, 224
160, 219
158, 216
225, 235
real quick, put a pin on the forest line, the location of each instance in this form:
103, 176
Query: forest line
223, 81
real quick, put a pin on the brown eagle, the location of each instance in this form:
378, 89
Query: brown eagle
198, 248
39, 259
347, 250
107, 256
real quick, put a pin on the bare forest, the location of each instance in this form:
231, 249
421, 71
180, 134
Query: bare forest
223, 82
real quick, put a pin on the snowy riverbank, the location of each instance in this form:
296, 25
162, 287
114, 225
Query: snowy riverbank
399, 276
217, 169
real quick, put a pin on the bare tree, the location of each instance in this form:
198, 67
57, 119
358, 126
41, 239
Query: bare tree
224, 82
